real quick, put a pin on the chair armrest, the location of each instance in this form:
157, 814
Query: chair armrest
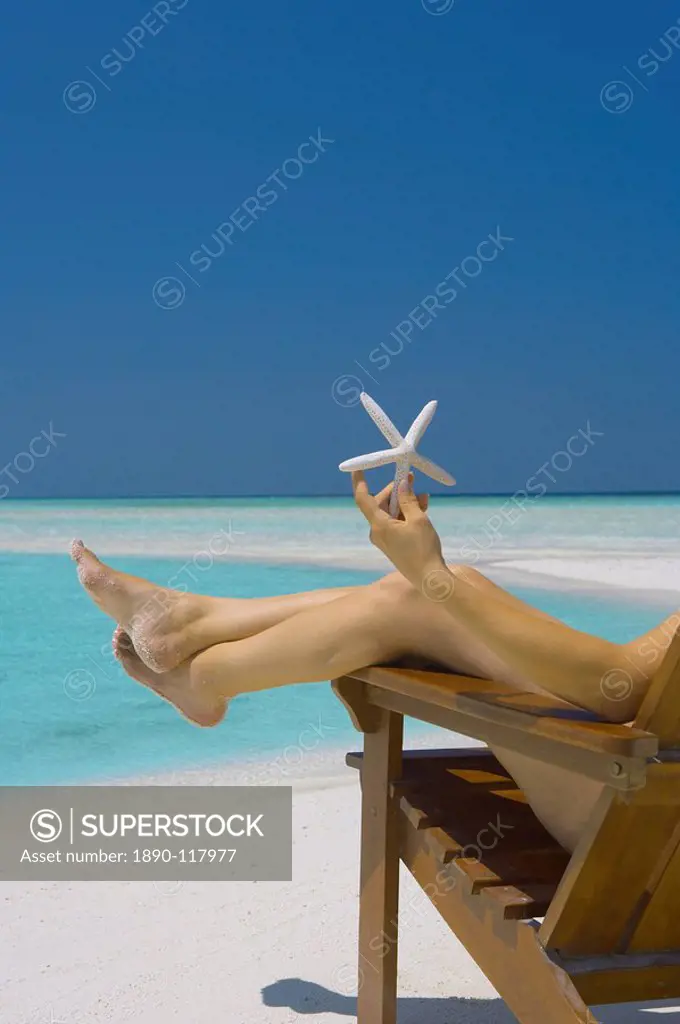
543, 727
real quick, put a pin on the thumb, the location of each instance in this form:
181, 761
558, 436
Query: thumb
408, 503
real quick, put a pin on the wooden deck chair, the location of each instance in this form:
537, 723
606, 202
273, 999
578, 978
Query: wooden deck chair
610, 928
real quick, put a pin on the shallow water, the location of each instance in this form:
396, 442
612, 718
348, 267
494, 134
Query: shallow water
68, 713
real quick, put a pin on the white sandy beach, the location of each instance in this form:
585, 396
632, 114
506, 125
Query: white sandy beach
237, 953
629, 573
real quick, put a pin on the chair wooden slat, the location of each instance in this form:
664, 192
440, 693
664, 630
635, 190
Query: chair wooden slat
501, 704
617, 979
619, 885
658, 927
611, 867
514, 903
660, 709
467, 809
543, 728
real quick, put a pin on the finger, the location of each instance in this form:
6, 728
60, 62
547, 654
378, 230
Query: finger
362, 495
423, 499
386, 504
383, 497
408, 502
365, 499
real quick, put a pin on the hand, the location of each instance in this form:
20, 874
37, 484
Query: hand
411, 542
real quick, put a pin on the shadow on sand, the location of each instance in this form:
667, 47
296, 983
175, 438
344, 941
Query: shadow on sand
304, 998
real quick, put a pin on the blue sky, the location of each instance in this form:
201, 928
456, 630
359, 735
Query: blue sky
445, 128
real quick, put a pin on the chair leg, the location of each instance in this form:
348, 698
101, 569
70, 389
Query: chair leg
378, 923
509, 952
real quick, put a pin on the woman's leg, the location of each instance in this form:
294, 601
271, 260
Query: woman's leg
378, 623
388, 620
563, 801
547, 655
493, 632
168, 626
482, 630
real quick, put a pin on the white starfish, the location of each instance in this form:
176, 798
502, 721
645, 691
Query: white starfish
403, 451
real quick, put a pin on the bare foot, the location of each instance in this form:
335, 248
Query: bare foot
164, 624
195, 702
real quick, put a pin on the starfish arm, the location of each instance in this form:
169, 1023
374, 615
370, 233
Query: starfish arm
432, 469
403, 467
420, 424
369, 461
381, 420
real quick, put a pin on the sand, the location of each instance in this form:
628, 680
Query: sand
236, 953
630, 574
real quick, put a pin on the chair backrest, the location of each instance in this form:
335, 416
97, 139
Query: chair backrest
621, 890
660, 709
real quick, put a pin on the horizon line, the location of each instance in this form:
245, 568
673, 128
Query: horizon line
344, 495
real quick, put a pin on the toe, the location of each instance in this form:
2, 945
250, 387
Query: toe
132, 664
121, 643
77, 548
91, 572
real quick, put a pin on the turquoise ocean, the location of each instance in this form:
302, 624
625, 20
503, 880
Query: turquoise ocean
68, 713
